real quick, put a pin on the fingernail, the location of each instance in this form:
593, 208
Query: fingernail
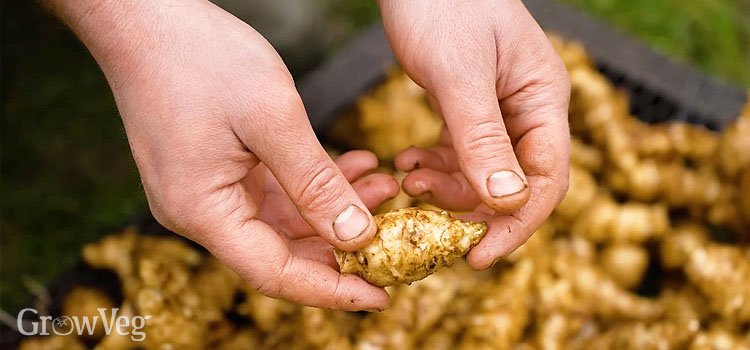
504, 183
350, 223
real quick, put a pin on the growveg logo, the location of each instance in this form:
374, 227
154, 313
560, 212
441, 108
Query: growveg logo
80, 325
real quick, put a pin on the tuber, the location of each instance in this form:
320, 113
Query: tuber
411, 244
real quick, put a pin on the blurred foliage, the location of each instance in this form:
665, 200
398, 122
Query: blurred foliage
712, 34
346, 18
67, 173
358, 14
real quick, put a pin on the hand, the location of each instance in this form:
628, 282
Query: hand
278, 210
503, 92
225, 150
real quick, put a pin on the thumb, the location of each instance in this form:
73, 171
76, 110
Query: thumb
287, 145
483, 148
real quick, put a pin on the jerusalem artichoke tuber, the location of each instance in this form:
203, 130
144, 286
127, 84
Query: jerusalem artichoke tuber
411, 244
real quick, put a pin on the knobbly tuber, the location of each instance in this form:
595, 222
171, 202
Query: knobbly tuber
411, 244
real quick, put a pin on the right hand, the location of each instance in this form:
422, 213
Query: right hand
208, 105
503, 92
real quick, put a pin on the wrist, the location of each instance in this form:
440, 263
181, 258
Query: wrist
116, 32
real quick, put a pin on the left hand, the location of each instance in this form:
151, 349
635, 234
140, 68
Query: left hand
490, 71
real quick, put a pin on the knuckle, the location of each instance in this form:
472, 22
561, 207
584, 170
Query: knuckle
172, 208
283, 100
486, 139
344, 297
270, 284
561, 84
557, 81
296, 276
320, 188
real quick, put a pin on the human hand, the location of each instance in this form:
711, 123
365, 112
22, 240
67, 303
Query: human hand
503, 92
225, 151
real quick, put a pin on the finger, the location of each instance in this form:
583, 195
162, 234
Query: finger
544, 151
440, 158
314, 248
448, 191
354, 164
285, 142
483, 147
506, 232
374, 189
536, 118
260, 256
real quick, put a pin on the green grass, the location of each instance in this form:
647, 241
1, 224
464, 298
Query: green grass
711, 34
68, 176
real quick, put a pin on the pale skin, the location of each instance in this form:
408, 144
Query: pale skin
228, 158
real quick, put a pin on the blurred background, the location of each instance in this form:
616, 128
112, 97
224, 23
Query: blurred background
67, 173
